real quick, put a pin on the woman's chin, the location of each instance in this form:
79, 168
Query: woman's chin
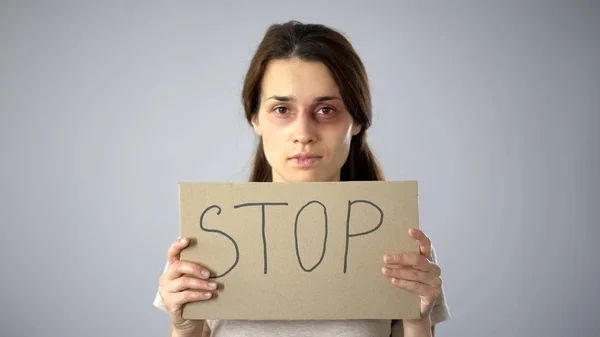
304, 176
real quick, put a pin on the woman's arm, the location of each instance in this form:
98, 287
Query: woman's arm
421, 329
202, 331
206, 330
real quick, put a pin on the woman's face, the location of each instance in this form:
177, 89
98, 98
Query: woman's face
305, 127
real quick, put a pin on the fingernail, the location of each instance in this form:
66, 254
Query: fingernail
385, 270
388, 258
208, 295
182, 240
212, 285
205, 273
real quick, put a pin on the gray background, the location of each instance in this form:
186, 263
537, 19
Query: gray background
492, 106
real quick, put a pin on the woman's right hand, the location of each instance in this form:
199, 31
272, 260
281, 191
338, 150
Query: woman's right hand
177, 289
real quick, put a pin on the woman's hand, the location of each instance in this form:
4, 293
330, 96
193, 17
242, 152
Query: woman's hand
177, 289
416, 272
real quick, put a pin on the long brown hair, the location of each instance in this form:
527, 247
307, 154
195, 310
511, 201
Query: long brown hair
316, 42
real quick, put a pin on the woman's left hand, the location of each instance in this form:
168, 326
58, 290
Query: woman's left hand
416, 272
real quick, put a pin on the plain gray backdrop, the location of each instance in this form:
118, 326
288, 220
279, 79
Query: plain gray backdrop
105, 106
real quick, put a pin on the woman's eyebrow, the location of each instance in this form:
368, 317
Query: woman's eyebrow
326, 98
292, 99
280, 98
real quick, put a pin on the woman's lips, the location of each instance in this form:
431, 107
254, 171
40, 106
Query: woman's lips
305, 159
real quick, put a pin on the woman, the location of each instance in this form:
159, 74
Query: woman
307, 92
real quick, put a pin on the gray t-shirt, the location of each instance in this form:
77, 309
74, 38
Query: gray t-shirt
322, 328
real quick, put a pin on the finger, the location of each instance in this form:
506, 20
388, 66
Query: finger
179, 268
423, 240
412, 274
416, 287
177, 246
189, 283
405, 273
179, 299
414, 260
431, 268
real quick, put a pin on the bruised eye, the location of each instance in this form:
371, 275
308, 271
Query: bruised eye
325, 111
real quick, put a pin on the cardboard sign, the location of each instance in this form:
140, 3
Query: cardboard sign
299, 250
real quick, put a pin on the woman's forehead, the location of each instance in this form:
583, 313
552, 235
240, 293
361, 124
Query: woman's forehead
298, 79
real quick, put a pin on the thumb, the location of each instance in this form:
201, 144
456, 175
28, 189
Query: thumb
423, 240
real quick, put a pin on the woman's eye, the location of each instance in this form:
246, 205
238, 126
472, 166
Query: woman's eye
281, 109
326, 111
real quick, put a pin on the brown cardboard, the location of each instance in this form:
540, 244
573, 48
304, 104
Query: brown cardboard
321, 284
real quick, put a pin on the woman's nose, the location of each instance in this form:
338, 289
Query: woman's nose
304, 131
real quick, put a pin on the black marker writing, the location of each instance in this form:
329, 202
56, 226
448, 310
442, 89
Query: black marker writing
263, 204
296, 236
237, 252
348, 235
